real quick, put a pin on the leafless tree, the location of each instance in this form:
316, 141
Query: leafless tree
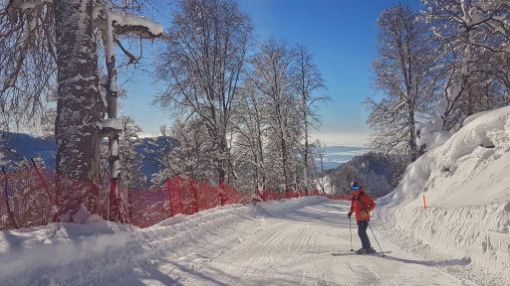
27, 59
470, 34
207, 46
53, 42
273, 77
192, 158
251, 127
402, 74
308, 82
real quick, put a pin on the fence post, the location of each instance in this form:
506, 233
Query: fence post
43, 182
169, 197
115, 199
130, 206
195, 196
9, 211
179, 194
220, 195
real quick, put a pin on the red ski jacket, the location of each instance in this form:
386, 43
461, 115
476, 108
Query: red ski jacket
362, 205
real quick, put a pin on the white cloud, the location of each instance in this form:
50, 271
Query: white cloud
342, 139
149, 135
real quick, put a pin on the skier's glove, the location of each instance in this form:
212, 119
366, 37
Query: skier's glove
349, 214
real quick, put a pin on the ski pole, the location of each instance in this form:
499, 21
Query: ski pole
376, 240
350, 229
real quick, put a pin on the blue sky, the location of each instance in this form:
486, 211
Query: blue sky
341, 34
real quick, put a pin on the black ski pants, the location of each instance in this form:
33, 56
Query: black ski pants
362, 232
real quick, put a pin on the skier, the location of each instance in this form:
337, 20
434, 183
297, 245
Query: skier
362, 204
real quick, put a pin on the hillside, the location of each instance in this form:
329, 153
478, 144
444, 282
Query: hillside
379, 173
467, 189
150, 149
24, 147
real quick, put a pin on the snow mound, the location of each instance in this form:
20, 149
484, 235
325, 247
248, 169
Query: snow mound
72, 254
467, 189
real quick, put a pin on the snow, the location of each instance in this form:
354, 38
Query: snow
302, 241
467, 188
113, 123
325, 182
25, 5
152, 29
431, 134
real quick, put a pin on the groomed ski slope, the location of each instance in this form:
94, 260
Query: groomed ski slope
294, 242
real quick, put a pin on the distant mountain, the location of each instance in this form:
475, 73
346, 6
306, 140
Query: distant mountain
23, 147
379, 173
151, 149
27, 147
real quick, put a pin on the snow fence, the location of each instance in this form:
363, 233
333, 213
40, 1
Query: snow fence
31, 198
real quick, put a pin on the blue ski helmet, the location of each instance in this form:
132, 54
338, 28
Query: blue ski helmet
355, 185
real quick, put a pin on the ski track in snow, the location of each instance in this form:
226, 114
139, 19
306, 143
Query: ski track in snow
297, 248
273, 244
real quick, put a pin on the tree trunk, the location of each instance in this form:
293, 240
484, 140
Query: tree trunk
223, 161
305, 169
413, 149
78, 107
283, 145
261, 166
114, 211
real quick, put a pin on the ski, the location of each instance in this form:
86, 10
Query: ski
381, 254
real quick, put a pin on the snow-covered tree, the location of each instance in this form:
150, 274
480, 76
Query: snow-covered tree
207, 45
3, 160
130, 159
194, 157
251, 131
47, 123
473, 47
307, 82
274, 79
54, 42
27, 57
318, 150
402, 74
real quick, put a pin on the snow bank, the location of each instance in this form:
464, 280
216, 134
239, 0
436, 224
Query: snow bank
71, 254
467, 188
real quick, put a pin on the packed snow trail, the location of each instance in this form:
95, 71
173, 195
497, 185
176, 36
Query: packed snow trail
293, 242
311, 246
308, 246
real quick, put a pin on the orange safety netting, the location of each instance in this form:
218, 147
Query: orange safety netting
31, 198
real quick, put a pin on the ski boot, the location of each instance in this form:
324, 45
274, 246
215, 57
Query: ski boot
370, 251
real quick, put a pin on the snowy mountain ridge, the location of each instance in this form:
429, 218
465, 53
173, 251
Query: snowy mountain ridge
466, 186
26, 146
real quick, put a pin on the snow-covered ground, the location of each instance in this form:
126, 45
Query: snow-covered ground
294, 242
466, 182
